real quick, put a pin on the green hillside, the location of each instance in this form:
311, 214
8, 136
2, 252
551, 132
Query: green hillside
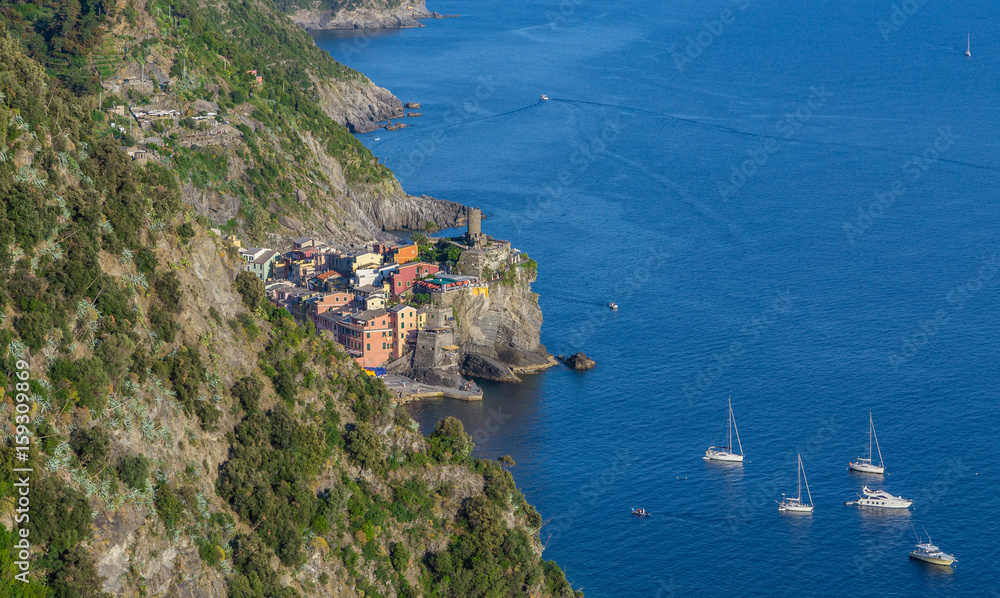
186, 438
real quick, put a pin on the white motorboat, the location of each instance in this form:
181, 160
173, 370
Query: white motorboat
613, 306
929, 553
880, 499
725, 453
795, 505
968, 45
865, 464
543, 97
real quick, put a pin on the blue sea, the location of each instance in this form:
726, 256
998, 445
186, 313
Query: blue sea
795, 205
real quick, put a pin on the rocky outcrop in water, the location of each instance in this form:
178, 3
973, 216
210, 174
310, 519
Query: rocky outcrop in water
578, 361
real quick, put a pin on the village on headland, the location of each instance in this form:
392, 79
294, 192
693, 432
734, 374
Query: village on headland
391, 306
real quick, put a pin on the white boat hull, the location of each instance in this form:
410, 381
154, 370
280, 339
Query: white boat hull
881, 504
795, 509
722, 456
866, 468
934, 560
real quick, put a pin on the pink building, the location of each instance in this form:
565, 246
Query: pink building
367, 336
330, 302
402, 279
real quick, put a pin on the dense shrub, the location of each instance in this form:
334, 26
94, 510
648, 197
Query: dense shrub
449, 442
9, 586
168, 288
186, 232
92, 446
114, 351
365, 446
75, 576
268, 478
60, 515
133, 471
248, 389
168, 505
251, 288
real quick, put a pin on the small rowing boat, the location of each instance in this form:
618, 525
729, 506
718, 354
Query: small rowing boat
640, 512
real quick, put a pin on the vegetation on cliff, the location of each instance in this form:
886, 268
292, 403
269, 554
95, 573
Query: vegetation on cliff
209, 50
188, 438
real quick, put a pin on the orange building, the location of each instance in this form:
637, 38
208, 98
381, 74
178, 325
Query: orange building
330, 302
367, 336
404, 254
404, 329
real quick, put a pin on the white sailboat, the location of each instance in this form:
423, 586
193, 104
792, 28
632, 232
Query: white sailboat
865, 464
795, 505
725, 453
968, 45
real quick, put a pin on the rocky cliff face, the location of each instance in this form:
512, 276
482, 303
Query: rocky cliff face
499, 333
503, 328
357, 105
370, 14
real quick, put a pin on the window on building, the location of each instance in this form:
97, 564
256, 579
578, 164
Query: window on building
369, 335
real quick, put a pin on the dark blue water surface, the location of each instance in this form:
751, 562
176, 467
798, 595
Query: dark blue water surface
801, 213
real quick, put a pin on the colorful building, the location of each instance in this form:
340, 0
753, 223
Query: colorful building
329, 302
260, 261
367, 336
404, 329
402, 280
403, 255
347, 263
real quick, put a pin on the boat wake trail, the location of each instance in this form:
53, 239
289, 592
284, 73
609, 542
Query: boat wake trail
492, 116
734, 131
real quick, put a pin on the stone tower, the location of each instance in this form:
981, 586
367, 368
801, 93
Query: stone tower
474, 234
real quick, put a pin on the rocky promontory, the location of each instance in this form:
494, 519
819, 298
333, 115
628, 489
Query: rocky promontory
368, 14
359, 106
499, 333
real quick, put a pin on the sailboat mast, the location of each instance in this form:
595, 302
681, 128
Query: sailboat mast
880, 464
800, 478
729, 442
732, 419
871, 428
803, 471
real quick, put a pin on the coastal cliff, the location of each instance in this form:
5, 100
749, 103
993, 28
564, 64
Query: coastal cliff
499, 332
357, 105
184, 436
368, 14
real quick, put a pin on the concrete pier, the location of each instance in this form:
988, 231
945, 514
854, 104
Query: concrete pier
406, 390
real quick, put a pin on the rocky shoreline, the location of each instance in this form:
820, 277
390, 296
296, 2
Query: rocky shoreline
370, 15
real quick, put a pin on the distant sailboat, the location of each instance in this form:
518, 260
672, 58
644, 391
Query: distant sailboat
795, 505
864, 464
968, 45
725, 453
